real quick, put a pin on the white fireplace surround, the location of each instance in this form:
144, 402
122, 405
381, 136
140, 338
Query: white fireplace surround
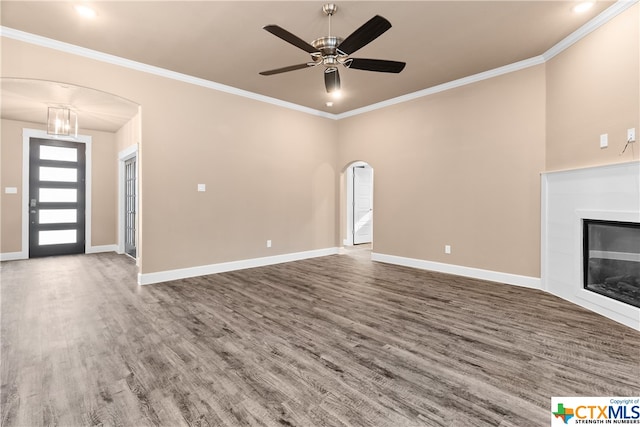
610, 192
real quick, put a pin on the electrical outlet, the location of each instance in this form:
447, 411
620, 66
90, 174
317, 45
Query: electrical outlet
631, 135
268, 243
604, 140
447, 249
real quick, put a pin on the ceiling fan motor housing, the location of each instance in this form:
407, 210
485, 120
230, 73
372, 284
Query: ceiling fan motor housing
327, 45
328, 48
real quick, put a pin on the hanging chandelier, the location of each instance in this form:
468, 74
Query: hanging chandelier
62, 121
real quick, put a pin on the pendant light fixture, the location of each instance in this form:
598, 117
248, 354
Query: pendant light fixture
62, 121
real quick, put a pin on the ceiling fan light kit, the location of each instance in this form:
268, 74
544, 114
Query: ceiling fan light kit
331, 51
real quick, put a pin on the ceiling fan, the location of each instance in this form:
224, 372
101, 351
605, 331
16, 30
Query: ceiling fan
332, 51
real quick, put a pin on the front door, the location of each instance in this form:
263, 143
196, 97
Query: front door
362, 205
56, 198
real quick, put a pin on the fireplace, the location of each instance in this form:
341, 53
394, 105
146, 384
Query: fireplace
611, 259
608, 193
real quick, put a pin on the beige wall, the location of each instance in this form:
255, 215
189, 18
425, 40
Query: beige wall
129, 134
103, 185
11, 176
270, 172
460, 168
593, 88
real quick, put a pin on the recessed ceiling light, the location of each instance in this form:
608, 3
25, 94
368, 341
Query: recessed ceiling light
85, 11
583, 6
329, 104
336, 94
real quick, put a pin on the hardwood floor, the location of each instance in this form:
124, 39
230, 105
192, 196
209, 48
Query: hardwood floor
330, 341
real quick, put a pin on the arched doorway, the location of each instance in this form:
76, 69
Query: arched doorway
359, 204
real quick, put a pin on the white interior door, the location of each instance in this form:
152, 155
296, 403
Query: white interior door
362, 205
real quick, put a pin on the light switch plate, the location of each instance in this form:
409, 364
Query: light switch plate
604, 140
202, 187
11, 190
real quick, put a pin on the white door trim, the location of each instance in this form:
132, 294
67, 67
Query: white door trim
27, 134
124, 155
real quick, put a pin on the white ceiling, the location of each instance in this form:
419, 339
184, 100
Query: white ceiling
223, 41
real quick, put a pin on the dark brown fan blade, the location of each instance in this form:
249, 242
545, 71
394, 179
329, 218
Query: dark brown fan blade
285, 69
290, 38
331, 80
380, 65
371, 30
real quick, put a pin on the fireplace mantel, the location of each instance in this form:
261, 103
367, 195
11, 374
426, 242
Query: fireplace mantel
610, 192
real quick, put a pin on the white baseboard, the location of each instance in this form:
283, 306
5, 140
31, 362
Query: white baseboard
184, 273
100, 249
475, 273
13, 256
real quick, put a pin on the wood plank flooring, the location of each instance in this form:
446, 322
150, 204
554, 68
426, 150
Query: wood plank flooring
332, 341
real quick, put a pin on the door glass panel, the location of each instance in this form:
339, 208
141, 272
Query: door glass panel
58, 153
58, 174
56, 237
57, 216
63, 195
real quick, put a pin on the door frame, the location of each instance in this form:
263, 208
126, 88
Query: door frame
348, 241
123, 156
27, 134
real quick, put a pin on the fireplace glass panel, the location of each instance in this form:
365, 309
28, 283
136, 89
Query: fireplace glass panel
612, 260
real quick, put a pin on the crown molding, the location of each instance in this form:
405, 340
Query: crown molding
592, 25
150, 69
604, 17
607, 15
516, 66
